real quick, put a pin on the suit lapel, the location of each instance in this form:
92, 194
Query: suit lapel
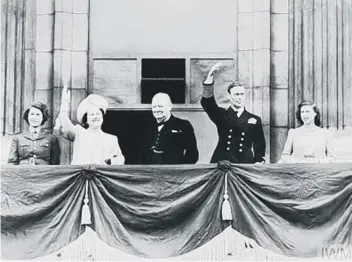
243, 117
232, 115
41, 134
168, 125
28, 135
233, 118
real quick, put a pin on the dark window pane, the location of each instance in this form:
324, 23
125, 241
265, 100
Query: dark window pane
163, 75
175, 89
163, 68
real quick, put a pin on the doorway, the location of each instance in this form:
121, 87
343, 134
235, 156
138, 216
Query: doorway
129, 127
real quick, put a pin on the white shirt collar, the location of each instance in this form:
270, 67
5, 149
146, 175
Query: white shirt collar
166, 119
34, 130
239, 111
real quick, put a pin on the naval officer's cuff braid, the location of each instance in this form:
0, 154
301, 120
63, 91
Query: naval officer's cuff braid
208, 91
208, 87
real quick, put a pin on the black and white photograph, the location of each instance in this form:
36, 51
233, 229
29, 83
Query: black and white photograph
176, 130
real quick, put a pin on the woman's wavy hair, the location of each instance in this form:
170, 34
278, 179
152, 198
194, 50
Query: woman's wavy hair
42, 107
84, 118
317, 120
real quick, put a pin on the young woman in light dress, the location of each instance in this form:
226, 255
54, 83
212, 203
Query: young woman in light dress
308, 143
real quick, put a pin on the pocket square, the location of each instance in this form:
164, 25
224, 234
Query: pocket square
175, 131
252, 121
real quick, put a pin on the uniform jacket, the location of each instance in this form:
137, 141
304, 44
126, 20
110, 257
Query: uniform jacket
237, 136
176, 140
43, 150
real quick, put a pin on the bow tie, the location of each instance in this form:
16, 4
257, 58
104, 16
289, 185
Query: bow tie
160, 123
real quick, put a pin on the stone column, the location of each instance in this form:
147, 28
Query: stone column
70, 58
254, 58
279, 77
44, 53
30, 53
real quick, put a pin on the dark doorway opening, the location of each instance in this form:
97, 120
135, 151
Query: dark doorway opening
129, 127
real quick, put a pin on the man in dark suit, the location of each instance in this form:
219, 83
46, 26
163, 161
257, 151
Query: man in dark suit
239, 131
169, 139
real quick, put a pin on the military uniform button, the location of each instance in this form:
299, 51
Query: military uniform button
228, 142
242, 138
240, 150
227, 148
243, 133
230, 130
241, 144
229, 136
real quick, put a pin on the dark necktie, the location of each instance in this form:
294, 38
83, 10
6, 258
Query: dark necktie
35, 133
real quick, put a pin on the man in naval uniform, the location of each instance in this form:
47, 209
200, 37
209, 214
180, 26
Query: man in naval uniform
168, 139
239, 131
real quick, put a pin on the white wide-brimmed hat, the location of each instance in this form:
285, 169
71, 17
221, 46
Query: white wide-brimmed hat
91, 100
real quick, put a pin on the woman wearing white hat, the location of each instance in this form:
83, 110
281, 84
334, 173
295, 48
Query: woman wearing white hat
90, 144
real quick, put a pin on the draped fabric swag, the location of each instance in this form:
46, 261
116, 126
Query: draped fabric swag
166, 211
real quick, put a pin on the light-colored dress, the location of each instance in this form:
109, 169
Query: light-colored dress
308, 145
93, 147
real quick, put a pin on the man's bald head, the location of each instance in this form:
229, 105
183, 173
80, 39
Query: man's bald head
162, 98
161, 106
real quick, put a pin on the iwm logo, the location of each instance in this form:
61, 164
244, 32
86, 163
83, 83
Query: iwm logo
336, 252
